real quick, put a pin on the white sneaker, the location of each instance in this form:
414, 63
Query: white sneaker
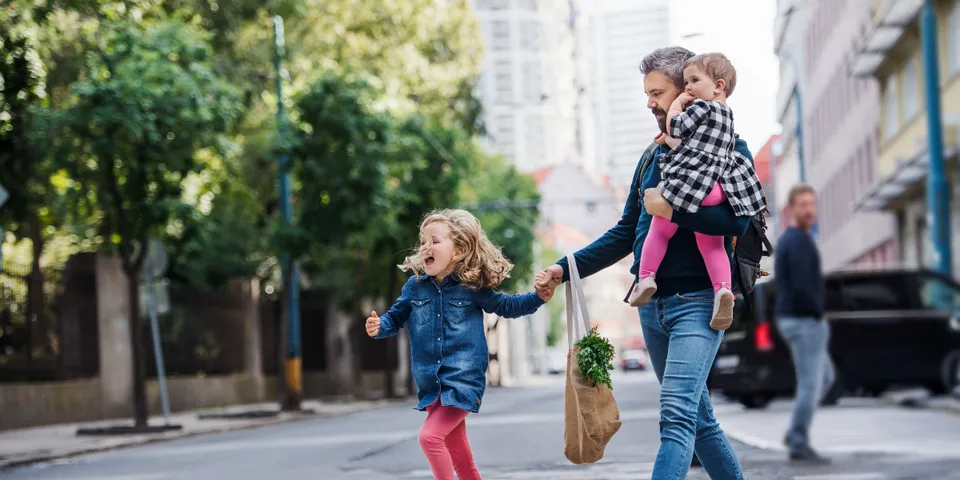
722, 309
643, 292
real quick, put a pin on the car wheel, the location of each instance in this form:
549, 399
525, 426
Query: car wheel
949, 372
756, 401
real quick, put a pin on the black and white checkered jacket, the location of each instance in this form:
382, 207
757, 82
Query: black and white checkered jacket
706, 156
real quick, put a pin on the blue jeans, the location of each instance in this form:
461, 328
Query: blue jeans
682, 347
808, 339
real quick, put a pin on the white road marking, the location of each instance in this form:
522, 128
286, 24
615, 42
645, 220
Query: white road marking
843, 476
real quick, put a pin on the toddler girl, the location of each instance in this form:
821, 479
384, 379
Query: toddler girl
455, 270
702, 169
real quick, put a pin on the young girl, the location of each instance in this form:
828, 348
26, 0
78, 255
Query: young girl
455, 271
702, 169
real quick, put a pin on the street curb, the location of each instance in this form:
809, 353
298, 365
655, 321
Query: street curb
293, 417
947, 403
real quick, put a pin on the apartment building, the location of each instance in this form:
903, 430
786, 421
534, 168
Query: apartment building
835, 145
891, 54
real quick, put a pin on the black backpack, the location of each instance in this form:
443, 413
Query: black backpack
748, 248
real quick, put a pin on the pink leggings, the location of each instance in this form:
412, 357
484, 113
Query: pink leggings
443, 438
711, 247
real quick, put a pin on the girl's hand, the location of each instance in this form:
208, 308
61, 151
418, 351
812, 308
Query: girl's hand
660, 139
685, 99
373, 324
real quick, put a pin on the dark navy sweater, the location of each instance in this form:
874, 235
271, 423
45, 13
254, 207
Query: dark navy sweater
682, 269
800, 289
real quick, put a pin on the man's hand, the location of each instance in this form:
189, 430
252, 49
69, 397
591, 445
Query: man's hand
373, 324
656, 205
548, 280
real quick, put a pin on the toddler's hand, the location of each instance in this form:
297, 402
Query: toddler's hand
686, 98
661, 139
373, 324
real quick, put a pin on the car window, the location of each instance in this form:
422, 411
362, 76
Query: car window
938, 294
875, 293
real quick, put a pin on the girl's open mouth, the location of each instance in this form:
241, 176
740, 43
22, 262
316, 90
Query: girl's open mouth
428, 261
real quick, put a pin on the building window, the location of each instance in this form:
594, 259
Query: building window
501, 35
534, 138
953, 39
530, 36
504, 134
891, 117
531, 82
910, 92
503, 81
530, 5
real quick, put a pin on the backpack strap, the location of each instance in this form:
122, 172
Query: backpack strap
645, 161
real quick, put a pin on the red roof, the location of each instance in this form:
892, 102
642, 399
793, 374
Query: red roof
540, 174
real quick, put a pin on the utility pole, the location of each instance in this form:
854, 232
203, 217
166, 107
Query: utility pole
938, 189
293, 393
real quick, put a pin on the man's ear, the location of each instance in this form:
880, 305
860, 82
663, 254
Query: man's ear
721, 86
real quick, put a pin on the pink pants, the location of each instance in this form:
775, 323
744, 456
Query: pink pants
443, 438
711, 247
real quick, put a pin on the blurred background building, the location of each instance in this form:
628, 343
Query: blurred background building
816, 42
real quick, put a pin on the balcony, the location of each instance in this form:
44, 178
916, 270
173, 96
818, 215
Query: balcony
891, 22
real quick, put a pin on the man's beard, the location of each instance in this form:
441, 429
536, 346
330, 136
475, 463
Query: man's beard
661, 120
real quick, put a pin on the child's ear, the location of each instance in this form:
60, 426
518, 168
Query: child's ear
721, 86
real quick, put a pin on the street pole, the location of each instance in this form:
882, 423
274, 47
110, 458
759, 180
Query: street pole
938, 189
292, 366
148, 269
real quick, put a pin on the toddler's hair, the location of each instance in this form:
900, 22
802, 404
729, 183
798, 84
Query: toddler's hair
483, 265
718, 66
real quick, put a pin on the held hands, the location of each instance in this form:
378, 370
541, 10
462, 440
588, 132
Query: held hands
547, 281
373, 324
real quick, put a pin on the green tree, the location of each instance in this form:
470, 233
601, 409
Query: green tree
148, 108
505, 202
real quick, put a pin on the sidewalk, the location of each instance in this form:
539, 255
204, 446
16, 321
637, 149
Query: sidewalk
917, 398
31, 445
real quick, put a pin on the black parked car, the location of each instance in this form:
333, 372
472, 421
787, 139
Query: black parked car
887, 328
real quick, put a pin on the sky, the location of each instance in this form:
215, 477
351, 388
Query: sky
745, 36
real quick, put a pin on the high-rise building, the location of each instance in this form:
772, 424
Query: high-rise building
533, 83
840, 114
623, 32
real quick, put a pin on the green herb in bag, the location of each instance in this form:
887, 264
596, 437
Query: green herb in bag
595, 358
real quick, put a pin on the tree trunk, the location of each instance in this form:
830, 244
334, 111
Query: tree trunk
35, 294
136, 343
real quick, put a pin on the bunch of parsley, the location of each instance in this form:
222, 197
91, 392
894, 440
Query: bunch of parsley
595, 358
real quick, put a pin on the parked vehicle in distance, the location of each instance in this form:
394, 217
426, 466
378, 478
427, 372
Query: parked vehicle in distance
633, 359
888, 328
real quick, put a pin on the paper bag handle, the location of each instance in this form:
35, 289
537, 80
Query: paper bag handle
576, 298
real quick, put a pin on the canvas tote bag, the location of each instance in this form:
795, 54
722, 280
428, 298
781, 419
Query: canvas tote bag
591, 415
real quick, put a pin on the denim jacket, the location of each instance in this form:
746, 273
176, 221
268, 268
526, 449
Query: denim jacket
447, 336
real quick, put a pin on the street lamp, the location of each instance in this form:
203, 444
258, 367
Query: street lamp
292, 366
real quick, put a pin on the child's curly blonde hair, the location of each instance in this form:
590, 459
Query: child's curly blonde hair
482, 265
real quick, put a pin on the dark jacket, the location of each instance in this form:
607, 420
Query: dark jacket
800, 287
682, 269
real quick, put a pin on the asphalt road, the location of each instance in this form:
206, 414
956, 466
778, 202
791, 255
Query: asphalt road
519, 435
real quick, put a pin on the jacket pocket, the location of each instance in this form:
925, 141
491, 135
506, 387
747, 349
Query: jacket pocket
459, 309
420, 310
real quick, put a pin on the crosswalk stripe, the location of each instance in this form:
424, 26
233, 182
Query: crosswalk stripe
843, 476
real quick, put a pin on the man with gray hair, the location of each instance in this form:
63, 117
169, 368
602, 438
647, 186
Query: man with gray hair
676, 322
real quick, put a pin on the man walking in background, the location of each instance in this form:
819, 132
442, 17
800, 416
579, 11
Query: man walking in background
800, 303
